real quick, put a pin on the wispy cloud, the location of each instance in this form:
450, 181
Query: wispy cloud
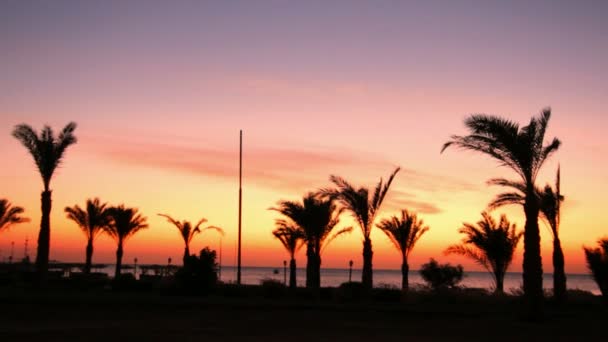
282, 168
398, 199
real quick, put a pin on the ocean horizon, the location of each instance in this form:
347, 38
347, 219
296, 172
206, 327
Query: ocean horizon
333, 277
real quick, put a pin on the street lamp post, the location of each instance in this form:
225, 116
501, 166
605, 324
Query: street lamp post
350, 271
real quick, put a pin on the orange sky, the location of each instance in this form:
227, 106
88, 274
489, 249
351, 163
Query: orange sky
160, 94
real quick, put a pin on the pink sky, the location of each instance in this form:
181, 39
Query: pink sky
349, 88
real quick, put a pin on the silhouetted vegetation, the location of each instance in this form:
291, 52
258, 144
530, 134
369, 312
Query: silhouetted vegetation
521, 149
597, 262
549, 201
404, 232
272, 288
316, 217
10, 215
199, 274
364, 209
292, 238
124, 223
187, 231
91, 222
550, 209
441, 276
489, 244
47, 151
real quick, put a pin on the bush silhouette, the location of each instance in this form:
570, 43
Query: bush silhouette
441, 276
199, 274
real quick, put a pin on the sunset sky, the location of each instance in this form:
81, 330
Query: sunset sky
160, 90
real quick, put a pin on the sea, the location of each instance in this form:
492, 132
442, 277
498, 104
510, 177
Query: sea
332, 277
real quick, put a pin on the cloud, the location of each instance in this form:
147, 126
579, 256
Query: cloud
274, 167
294, 169
398, 200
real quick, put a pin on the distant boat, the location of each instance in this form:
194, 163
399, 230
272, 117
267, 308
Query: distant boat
275, 271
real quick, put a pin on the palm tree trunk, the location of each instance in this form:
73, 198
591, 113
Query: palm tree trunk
292, 273
405, 269
310, 257
89, 256
44, 236
500, 281
367, 273
119, 253
317, 271
532, 265
559, 273
186, 254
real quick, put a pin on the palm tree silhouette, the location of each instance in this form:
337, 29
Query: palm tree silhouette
10, 215
550, 207
404, 232
47, 151
292, 238
489, 244
91, 221
124, 223
364, 209
316, 217
521, 149
597, 261
187, 231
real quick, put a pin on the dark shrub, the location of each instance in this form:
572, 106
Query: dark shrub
199, 274
87, 281
125, 282
272, 288
350, 291
387, 293
441, 276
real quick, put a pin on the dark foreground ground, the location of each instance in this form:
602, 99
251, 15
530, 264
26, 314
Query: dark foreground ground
111, 317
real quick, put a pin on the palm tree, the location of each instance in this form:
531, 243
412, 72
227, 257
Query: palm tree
292, 238
550, 207
316, 217
10, 215
91, 221
521, 149
124, 223
597, 261
187, 231
489, 244
47, 151
364, 209
404, 232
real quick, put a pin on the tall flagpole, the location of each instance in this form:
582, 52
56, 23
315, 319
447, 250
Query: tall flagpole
238, 271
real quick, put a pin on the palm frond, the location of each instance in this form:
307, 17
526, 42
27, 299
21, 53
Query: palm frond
214, 228
404, 232
290, 236
491, 244
125, 222
506, 198
362, 207
597, 262
316, 216
521, 149
10, 215
46, 150
340, 232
